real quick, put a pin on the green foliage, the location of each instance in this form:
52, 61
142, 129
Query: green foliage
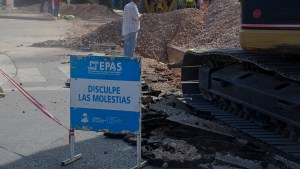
67, 17
4, 10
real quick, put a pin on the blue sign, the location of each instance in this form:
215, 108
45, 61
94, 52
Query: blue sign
105, 93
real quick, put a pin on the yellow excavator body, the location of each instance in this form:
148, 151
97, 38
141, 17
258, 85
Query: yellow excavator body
160, 6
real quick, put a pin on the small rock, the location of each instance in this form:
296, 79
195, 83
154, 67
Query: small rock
237, 161
287, 163
242, 141
165, 165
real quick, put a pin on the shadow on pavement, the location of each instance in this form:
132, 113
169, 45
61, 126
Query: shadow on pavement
99, 152
40, 17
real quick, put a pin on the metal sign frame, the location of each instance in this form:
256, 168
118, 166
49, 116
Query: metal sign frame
105, 95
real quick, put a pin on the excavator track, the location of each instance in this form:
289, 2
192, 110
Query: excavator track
287, 66
230, 117
257, 93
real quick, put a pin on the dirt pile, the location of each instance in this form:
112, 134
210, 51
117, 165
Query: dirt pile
86, 11
157, 31
221, 30
107, 33
216, 27
160, 30
30, 9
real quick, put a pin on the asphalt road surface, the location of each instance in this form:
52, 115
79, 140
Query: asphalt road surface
28, 138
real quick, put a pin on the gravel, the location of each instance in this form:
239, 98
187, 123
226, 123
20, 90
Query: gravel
216, 27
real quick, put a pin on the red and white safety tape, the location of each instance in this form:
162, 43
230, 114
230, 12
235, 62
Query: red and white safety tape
33, 100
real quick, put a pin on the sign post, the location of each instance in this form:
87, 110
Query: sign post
105, 95
73, 157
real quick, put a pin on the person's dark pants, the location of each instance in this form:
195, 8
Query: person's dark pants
56, 10
113, 4
50, 10
42, 6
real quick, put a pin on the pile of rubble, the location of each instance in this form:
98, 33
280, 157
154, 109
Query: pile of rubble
216, 27
175, 136
221, 28
157, 31
87, 11
160, 30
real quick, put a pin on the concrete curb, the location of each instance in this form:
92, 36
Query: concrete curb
9, 68
119, 12
39, 17
2, 94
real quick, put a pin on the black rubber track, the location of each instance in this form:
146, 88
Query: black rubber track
285, 66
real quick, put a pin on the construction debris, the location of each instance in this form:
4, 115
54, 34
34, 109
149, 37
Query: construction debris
237, 161
173, 135
175, 153
287, 163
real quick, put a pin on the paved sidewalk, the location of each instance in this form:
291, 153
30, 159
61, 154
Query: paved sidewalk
42, 16
120, 12
8, 67
2, 94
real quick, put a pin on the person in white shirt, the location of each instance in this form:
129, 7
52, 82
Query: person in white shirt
130, 27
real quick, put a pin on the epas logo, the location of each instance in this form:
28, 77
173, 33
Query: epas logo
105, 67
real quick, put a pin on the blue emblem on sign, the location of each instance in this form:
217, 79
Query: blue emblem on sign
105, 93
